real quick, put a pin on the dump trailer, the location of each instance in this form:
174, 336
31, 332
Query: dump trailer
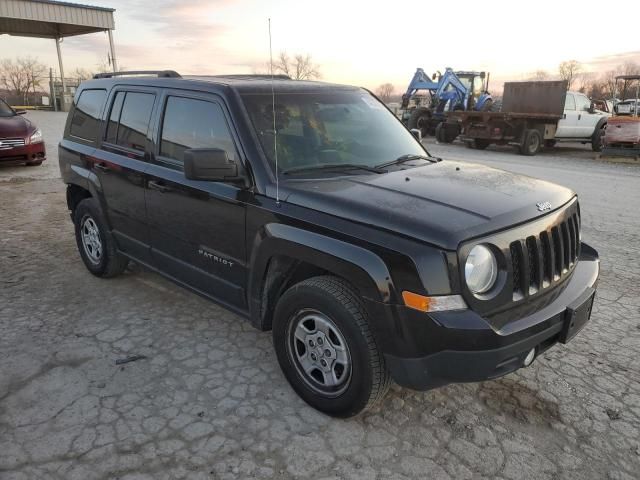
529, 118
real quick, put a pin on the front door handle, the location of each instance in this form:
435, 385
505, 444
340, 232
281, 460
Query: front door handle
159, 186
101, 167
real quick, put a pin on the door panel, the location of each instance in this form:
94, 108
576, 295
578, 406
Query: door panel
197, 231
197, 228
586, 121
120, 165
567, 125
122, 182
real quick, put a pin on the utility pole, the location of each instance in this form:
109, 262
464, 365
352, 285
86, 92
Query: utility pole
52, 88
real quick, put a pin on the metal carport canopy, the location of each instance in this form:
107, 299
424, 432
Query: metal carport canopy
52, 19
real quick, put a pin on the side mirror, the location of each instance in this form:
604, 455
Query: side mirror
416, 132
592, 108
434, 76
210, 164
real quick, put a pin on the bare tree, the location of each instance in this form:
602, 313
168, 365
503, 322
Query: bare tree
569, 71
385, 91
82, 74
608, 80
539, 75
300, 67
628, 68
22, 76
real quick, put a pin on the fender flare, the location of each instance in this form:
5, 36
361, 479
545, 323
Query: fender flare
363, 268
601, 123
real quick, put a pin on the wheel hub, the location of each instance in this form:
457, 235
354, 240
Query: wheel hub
91, 240
319, 352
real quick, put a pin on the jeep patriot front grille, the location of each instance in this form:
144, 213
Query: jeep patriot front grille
540, 261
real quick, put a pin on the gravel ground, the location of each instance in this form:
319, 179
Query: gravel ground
209, 401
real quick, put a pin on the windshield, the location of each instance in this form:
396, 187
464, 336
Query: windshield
5, 110
328, 128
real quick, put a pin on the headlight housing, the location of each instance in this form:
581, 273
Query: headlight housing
480, 269
36, 137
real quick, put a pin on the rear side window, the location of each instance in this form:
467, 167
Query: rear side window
85, 122
190, 123
129, 119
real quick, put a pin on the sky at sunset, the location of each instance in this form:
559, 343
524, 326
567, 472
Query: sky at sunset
357, 42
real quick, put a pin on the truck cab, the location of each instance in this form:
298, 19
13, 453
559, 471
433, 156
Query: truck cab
581, 121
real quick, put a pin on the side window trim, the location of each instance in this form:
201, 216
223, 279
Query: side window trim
207, 97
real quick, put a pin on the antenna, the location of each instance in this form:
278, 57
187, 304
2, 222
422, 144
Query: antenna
273, 109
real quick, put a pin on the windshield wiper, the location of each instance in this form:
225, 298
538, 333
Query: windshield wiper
332, 166
407, 158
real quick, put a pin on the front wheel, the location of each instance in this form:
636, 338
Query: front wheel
421, 119
597, 140
326, 349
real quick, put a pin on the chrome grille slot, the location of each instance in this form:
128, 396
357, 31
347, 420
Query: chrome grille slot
6, 143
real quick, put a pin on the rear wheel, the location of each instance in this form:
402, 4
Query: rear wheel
95, 242
531, 142
421, 119
446, 132
326, 349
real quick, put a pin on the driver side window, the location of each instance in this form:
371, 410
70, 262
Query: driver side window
191, 123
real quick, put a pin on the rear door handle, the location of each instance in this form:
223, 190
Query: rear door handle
102, 167
159, 186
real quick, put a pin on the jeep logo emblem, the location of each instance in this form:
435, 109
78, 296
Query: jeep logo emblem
542, 206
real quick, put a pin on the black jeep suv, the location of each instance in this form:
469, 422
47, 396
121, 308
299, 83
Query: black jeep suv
311, 210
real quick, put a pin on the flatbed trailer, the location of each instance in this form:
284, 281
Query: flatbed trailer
531, 111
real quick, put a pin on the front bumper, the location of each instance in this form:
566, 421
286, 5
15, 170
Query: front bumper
425, 351
33, 152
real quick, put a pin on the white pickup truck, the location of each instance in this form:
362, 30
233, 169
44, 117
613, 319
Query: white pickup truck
580, 122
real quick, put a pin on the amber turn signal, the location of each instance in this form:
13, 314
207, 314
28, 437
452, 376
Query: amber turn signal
437, 303
414, 300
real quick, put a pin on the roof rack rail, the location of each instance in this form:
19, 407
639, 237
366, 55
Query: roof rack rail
158, 73
250, 76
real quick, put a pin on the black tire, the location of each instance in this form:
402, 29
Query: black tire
480, 143
34, 164
531, 142
327, 297
421, 119
447, 132
440, 133
597, 140
109, 262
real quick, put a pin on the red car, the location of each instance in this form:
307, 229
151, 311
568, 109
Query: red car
20, 140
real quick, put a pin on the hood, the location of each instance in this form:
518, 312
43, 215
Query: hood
15, 127
443, 203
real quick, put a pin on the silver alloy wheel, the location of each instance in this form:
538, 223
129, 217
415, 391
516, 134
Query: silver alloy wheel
91, 240
319, 352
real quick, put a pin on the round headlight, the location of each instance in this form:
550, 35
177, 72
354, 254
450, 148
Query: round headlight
481, 269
